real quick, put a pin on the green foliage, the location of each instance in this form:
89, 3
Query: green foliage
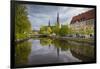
64, 30
49, 30
45, 30
89, 31
22, 51
84, 50
21, 35
86, 31
56, 29
45, 41
53, 28
22, 23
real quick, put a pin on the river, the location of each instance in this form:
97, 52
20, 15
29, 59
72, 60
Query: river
37, 51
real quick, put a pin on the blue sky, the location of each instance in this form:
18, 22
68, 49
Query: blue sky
39, 15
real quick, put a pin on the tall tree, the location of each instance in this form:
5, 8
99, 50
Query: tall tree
22, 23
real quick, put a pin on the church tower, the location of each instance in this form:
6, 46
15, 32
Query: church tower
49, 24
58, 22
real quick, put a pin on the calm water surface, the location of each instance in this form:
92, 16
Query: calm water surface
39, 51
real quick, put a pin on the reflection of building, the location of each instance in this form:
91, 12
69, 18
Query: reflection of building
83, 21
81, 53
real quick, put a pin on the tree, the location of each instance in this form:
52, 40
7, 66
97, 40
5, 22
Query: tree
49, 30
64, 30
86, 30
22, 24
45, 30
56, 29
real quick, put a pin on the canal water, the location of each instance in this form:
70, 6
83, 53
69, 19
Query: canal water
37, 51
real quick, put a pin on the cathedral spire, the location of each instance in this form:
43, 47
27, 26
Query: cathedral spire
58, 18
49, 23
58, 22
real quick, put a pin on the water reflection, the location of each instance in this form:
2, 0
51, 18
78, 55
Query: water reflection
47, 51
45, 41
22, 51
82, 51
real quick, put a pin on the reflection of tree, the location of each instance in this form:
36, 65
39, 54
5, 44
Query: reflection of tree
81, 50
60, 44
45, 42
85, 53
22, 51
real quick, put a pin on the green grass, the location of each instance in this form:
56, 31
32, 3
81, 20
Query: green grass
21, 36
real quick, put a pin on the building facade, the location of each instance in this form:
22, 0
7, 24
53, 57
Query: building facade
84, 22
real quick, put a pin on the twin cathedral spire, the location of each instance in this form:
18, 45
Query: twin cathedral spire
58, 21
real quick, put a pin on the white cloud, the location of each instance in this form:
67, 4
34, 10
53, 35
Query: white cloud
69, 12
40, 15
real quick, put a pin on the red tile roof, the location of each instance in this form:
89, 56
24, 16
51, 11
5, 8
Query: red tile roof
84, 16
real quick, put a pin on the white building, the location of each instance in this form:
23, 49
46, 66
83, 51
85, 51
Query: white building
83, 21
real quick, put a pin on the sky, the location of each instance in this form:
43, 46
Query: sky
39, 15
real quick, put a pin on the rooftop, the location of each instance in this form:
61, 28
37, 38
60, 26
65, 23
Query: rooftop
84, 16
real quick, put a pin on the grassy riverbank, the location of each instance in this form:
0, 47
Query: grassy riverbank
21, 37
